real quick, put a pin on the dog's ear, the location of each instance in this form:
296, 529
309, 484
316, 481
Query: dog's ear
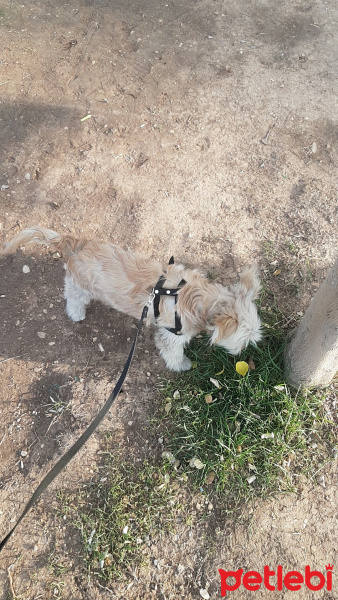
225, 325
249, 279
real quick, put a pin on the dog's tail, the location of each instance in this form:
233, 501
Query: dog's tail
67, 244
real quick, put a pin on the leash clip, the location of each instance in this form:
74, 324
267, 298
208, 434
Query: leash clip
151, 297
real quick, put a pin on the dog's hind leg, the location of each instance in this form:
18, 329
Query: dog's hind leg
76, 299
171, 348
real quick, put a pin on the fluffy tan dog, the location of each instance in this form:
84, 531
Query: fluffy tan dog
124, 280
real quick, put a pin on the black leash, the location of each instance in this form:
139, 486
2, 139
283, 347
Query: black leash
66, 458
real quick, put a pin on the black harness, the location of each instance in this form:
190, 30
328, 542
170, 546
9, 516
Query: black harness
159, 291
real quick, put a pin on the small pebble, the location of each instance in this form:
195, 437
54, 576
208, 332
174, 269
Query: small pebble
204, 594
25, 269
51, 344
27, 176
41, 334
23, 453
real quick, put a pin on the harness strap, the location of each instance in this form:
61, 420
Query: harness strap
159, 291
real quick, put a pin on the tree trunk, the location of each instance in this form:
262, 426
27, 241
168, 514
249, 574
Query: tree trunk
311, 355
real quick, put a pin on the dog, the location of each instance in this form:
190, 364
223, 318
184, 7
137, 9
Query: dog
126, 281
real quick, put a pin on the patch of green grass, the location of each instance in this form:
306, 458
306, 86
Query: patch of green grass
256, 438
118, 515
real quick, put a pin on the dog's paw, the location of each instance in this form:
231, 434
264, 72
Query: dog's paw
185, 365
76, 315
178, 365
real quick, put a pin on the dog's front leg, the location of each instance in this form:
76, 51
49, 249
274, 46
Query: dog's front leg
171, 348
76, 299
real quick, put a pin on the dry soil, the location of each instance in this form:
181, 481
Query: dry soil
205, 129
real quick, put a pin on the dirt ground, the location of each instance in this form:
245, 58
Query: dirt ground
212, 136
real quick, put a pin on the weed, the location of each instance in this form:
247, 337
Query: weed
268, 249
56, 406
57, 567
57, 587
309, 271
291, 247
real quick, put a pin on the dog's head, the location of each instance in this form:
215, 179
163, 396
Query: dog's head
236, 322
